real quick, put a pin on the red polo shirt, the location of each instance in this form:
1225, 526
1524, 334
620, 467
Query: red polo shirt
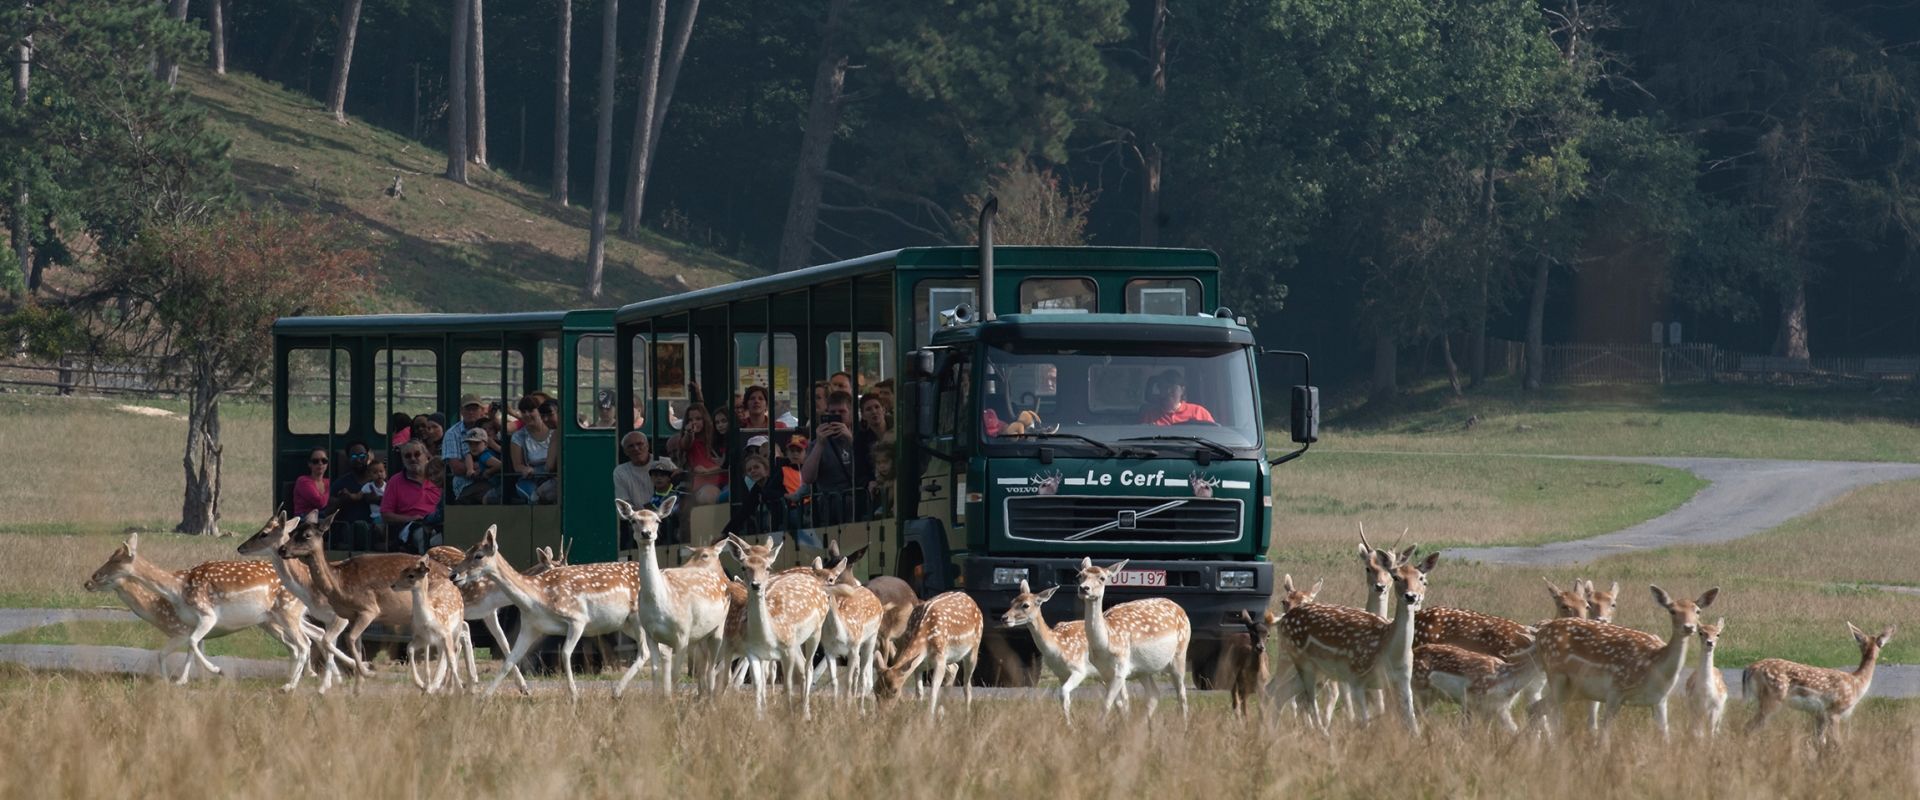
410, 497
1187, 412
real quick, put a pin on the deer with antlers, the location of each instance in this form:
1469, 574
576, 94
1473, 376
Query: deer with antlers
943, 631
1706, 690
1830, 695
438, 623
208, 601
1063, 647
1483, 685
1615, 666
683, 609
1360, 649
784, 615
571, 601
1141, 638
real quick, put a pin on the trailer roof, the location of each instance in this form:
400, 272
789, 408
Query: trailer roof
415, 324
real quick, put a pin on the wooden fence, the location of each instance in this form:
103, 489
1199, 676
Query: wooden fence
415, 382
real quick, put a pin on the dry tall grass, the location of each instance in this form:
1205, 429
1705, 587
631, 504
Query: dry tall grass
93, 737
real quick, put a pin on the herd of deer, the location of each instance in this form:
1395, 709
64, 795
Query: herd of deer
805, 622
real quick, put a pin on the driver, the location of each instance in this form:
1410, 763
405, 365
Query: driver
1167, 402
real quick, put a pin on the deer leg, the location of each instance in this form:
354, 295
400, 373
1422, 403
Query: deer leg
939, 680
1067, 686
660, 674
358, 626
522, 644
1180, 678
759, 671
500, 638
1153, 692
200, 630
575, 629
298, 649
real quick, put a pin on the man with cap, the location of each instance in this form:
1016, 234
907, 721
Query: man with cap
630, 479
453, 447
1167, 402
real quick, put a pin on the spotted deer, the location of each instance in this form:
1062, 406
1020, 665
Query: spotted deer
1243, 656
1063, 647
481, 599
684, 609
850, 631
1142, 638
897, 597
1360, 649
1288, 690
571, 601
944, 630
438, 623
1568, 604
297, 579
359, 591
784, 615
1603, 663
1600, 605
1706, 691
209, 601
1483, 685
1830, 695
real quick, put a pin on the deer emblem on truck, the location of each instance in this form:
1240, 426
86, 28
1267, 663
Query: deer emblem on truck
1203, 485
1049, 482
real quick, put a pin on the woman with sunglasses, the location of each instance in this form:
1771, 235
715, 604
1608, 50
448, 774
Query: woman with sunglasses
310, 491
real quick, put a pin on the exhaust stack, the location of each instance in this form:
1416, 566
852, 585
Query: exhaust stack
987, 213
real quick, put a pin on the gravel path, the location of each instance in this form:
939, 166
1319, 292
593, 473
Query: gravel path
1745, 497
14, 620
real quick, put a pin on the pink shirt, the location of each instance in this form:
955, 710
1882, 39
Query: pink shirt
309, 494
410, 497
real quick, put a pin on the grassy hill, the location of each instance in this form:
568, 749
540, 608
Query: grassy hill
496, 245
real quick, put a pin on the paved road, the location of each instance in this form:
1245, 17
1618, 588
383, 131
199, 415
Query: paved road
1745, 497
14, 620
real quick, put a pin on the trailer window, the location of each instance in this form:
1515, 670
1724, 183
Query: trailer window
405, 381
1058, 296
319, 391
935, 295
1175, 296
594, 394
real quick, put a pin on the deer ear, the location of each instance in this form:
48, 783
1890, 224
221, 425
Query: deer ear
1886, 635
1286, 583
668, 505
1046, 594
1246, 617
1315, 591
1660, 596
1086, 563
1858, 635
1552, 590
1118, 565
858, 554
775, 555
623, 508
1707, 598
818, 564
288, 526
1023, 587
133, 545
1720, 624
1433, 559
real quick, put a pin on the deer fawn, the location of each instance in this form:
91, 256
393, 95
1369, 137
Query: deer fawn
1706, 691
1600, 605
1830, 695
945, 630
438, 623
571, 601
360, 591
1483, 685
1567, 604
209, 601
1141, 638
1359, 649
851, 631
1615, 666
1243, 659
1063, 647
683, 609
784, 615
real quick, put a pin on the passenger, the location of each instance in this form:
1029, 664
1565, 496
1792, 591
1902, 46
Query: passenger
400, 426
829, 466
820, 391
603, 409
786, 419
790, 465
842, 382
880, 490
754, 410
630, 479
481, 463
454, 445
432, 433
411, 504
757, 446
763, 505
349, 502
371, 493
698, 448
874, 426
1167, 402
660, 476
722, 424
310, 491
884, 390
532, 448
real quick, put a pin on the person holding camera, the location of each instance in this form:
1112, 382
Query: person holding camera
829, 464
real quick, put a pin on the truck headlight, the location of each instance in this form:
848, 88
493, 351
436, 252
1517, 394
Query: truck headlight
1008, 576
1236, 579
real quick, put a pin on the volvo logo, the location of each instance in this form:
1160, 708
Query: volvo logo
1129, 519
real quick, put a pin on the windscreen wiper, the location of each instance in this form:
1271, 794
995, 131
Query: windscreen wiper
1217, 448
1105, 449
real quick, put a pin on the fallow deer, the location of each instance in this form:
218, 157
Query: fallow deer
297, 579
1600, 605
1063, 647
1830, 695
571, 601
851, 631
783, 619
1615, 666
438, 622
896, 596
1288, 690
945, 630
1359, 649
684, 609
359, 591
1483, 685
1243, 656
1706, 691
1142, 638
1568, 604
211, 600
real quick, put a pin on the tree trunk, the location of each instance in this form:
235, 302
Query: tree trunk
217, 41
200, 504
1536, 327
602, 152
1453, 368
816, 143
562, 101
1477, 341
520, 158
1386, 360
18, 285
1791, 340
277, 59
177, 9
457, 93
416, 101
1150, 154
477, 138
669, 77
643, 119
343, 60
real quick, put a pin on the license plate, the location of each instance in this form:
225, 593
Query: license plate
1148, 578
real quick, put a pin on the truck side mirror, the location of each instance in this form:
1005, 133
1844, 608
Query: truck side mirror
1306, 414
926, 407
922, 364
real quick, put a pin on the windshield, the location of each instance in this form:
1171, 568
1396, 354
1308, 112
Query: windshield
1131, 395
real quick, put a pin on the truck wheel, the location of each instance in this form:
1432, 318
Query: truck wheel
1203, 665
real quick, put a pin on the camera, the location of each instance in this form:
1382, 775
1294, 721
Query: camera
605, 398
833, 416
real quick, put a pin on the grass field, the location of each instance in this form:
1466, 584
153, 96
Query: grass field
96, 737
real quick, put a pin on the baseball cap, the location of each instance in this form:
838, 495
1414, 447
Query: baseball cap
477, 435
662, 464
438, 418
797, 441
757, 441
471, 399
